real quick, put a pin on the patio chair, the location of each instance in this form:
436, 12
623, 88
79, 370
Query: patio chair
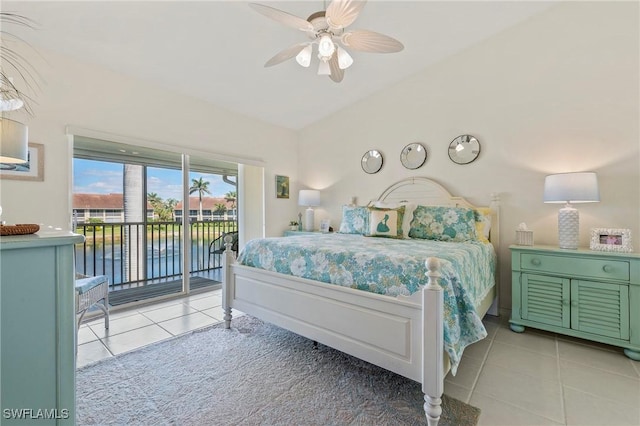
92, 291
216, 248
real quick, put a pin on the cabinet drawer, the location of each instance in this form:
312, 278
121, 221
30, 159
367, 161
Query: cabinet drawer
592, 268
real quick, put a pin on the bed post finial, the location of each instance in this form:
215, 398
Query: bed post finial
433, 267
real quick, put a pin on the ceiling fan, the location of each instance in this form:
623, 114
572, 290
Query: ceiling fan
327, 29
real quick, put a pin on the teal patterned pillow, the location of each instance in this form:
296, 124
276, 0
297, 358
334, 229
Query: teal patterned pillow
355, 220
443, 224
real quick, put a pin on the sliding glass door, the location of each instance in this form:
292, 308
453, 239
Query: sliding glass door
129, 202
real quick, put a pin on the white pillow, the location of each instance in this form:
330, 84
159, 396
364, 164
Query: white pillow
408, 213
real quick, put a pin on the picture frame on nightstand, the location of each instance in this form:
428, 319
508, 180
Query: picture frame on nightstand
611, 239
324, 225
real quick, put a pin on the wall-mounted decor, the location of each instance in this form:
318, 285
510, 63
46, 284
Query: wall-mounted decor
413, 155
282, 186
464, 149
608, 239
33, 169
372, 161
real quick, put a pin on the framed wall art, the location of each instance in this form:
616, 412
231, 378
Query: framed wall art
33, 169
611, 239
282, 186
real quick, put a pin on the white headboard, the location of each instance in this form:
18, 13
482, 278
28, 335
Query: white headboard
427, 192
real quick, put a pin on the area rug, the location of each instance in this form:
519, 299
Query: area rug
253, 374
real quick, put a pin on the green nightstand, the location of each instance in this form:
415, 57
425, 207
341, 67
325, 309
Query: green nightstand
582, 293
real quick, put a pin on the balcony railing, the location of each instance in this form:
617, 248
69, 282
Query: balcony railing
132, 254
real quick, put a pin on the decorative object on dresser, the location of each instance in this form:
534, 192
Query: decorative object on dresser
293, 225
413, 156
582, 293
372, 161
309, 198
609, 239
282, 186
464, 149
577, 187
19, 229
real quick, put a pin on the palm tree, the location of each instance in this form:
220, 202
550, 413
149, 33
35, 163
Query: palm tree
220, 209
155, 201
201, 187
171, 204
231, 196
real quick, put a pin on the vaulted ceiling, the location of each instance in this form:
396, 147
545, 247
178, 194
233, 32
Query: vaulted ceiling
216, 50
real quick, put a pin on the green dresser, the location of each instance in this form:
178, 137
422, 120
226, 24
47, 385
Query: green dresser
37, 329
582, 293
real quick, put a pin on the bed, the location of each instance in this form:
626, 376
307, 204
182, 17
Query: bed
403, 332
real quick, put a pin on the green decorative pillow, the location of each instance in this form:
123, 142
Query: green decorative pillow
355, 220
385, 222
455, 224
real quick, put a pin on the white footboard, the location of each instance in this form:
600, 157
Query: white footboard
394, 333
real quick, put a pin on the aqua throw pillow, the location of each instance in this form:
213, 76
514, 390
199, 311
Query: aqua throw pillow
385, 222
440, 223
355, 220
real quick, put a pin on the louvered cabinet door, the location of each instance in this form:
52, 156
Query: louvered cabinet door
600, 308
545, 299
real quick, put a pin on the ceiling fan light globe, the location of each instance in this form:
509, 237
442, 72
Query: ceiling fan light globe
304, 57
344, 59
326, 47
323, 68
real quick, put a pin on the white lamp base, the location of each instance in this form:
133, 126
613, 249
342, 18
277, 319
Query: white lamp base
568, 227
309, 220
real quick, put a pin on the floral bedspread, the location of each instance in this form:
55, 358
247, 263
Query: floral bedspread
390, 267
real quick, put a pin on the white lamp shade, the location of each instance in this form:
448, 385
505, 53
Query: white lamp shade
14, 142
344, 59
323, 68
304, 57
309, 198
326, 47
579, 187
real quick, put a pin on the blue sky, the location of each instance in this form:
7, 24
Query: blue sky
99, 177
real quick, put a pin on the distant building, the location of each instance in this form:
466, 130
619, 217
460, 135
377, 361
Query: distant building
109, 208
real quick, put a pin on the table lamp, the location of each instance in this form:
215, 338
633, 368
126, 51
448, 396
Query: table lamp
309, 198
580, 187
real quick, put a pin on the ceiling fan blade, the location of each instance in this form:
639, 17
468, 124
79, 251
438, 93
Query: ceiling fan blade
282, 17
287, 53
370, 41
337, 74
342, 13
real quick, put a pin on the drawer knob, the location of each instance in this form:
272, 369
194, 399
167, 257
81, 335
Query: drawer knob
536, 262
607, 268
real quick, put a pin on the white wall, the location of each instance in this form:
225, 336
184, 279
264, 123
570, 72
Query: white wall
557, 93
94, 98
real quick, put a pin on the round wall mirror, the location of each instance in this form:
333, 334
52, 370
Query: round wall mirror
371, 161
464, 149
413, 155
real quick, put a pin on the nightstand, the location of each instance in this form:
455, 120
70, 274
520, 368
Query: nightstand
582, 293
292, 233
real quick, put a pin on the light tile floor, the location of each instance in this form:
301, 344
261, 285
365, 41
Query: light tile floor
533, 378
